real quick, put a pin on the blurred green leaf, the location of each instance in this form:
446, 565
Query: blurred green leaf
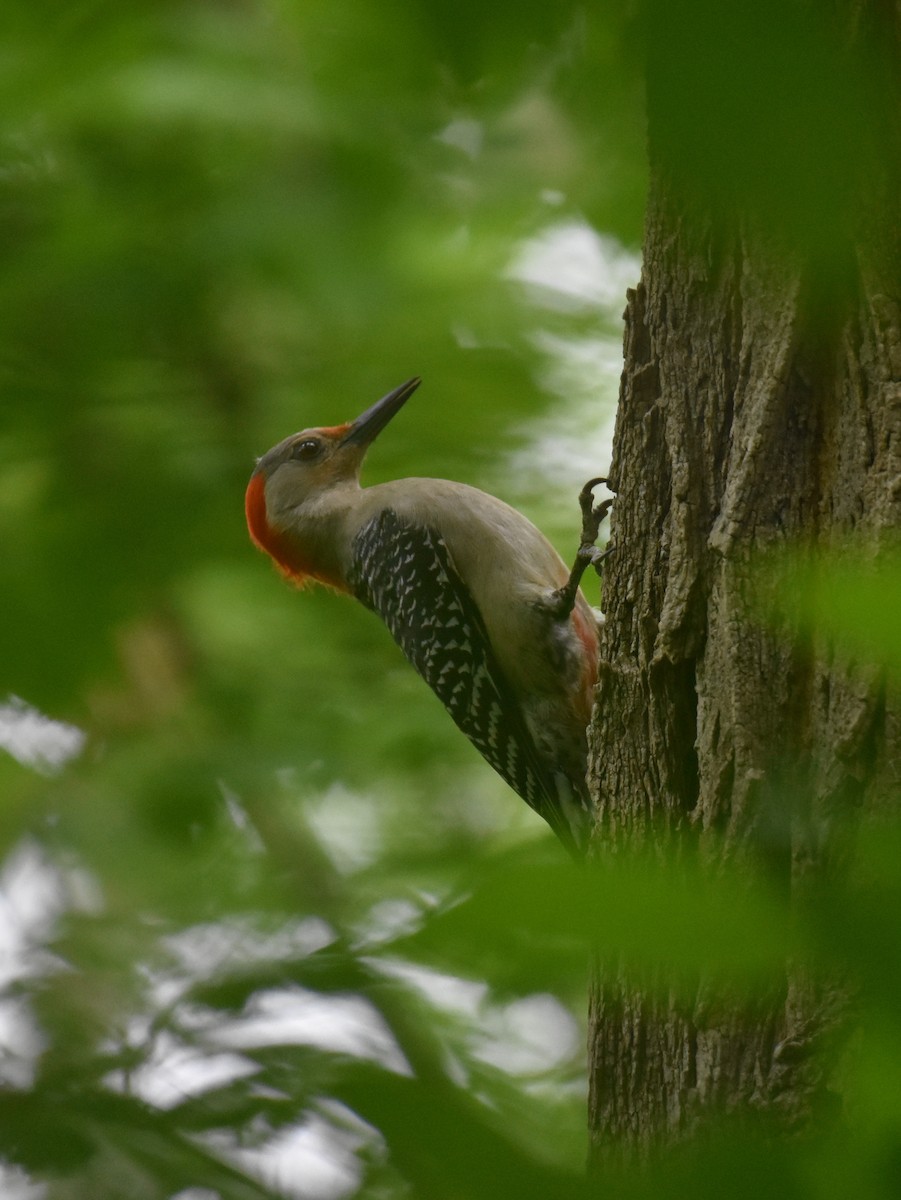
776, 110
532, 916
847, 597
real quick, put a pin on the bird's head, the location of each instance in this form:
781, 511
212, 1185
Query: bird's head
307, 465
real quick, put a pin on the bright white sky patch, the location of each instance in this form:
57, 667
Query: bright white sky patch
35, 740
15, 1185
464, 996
528, 1036
33, 895
205, 949
347, 825
572, 442
345, 1024
172, 1073
464, 134
572, 268
314, 1160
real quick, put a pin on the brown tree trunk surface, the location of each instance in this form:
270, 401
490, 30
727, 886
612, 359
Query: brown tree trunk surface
759, 406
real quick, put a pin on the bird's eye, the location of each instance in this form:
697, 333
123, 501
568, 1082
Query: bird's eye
307, 450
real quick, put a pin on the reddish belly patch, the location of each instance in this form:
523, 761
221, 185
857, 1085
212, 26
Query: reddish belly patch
587, 635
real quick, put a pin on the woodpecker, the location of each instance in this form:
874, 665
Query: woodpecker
477, 599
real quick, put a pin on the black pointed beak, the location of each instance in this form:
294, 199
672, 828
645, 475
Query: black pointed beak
370, 424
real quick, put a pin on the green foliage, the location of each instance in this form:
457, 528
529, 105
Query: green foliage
848, 598
785, 111
276, 928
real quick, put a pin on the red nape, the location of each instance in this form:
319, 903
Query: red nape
336, 431
281, 548
255, 510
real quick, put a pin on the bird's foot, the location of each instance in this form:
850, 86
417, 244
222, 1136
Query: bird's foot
588, 554
592, 514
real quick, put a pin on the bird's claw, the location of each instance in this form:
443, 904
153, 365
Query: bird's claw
592, 516
588, 553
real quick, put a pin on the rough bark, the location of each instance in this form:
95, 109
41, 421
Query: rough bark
759, 406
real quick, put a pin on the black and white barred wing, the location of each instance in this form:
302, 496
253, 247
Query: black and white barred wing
404, 573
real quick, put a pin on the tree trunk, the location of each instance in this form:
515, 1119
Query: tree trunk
759, 406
